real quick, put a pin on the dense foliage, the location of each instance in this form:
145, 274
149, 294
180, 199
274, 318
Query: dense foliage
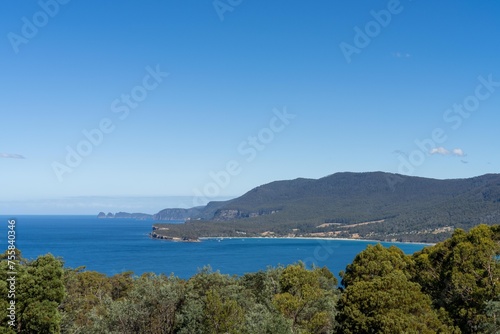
451, 287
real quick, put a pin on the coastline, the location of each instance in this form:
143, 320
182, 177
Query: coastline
323, 238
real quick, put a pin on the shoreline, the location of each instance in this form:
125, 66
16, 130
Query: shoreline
323, 238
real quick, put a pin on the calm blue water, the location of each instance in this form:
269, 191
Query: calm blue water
116, 245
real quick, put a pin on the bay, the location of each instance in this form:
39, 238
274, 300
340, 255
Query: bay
113, 246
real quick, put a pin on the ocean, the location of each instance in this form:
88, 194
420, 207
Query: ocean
113, 246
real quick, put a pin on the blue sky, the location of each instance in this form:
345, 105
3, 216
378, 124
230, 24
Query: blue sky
321, 87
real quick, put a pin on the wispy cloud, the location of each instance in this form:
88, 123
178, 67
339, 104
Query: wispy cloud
439, 150
458, 152
11, 156
401, 55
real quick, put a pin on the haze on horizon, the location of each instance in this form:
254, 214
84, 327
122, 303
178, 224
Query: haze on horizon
160, 102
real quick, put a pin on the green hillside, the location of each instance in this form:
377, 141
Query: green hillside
375, 205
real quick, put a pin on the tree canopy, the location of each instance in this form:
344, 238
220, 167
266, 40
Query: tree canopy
450, 287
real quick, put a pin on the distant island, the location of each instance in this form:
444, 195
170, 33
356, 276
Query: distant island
109, 215
375, 205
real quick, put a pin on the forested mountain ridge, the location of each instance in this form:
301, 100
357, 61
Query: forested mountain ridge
373, 205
